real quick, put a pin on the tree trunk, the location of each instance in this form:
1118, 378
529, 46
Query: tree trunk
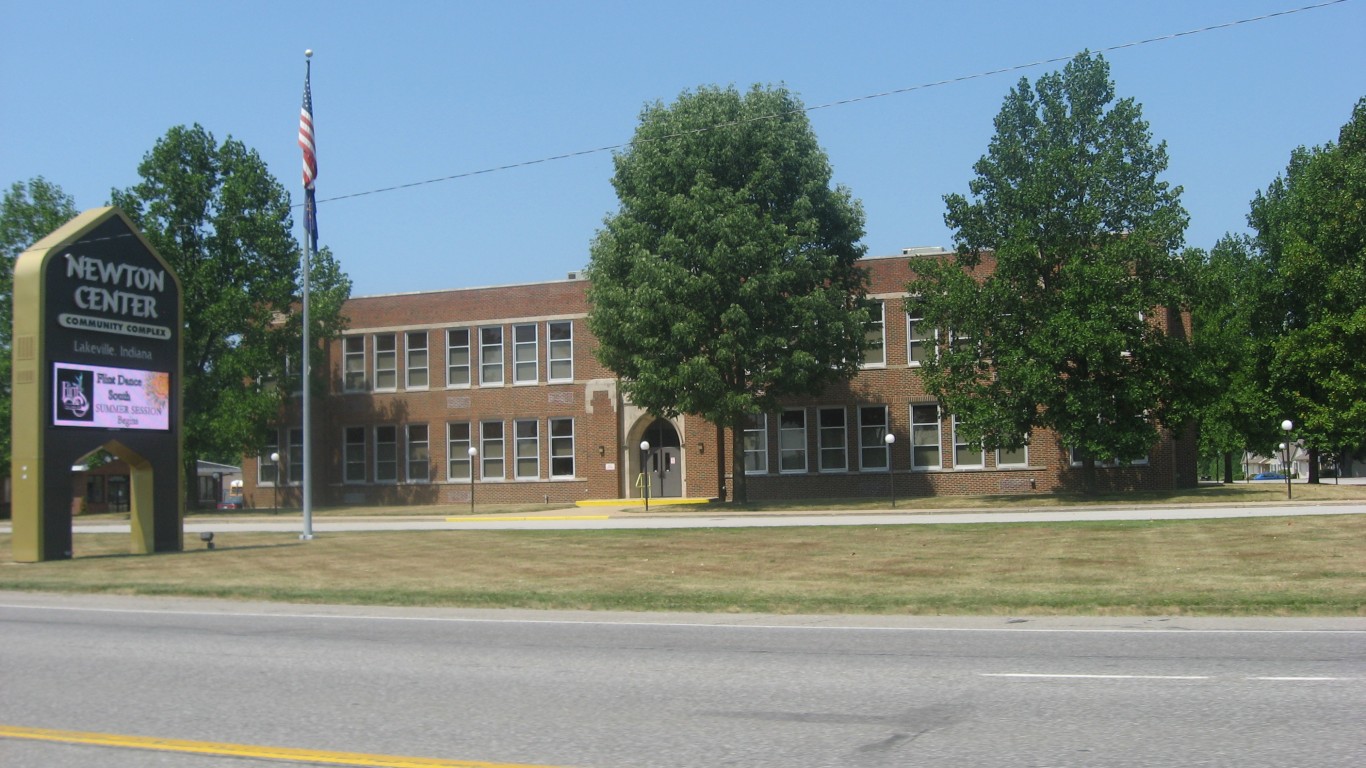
1314, 466
1228, 467
1088, 470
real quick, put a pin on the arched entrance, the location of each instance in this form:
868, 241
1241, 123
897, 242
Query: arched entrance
662, 465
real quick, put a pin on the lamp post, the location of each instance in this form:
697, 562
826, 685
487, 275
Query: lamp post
644, 476
891, 477
275, 486
1287, 425
473, 452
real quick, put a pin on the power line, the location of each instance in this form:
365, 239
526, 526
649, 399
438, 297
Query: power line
841, 102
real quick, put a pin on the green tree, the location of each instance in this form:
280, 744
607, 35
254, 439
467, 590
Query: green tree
29, 211
1311, 316
728, 278
1235, 414
224, 224
1070, 329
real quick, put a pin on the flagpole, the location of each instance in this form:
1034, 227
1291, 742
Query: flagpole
311, 227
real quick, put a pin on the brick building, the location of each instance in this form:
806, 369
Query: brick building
420, 379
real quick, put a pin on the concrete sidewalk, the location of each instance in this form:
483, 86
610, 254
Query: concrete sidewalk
675, 518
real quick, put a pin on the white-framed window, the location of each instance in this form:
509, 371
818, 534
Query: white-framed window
966, 455
458, 450
792, 441
525, 352
756, 444
875, 355
415, 343
419, 454
353, 364
386, 453
1013, 457
294, 469
833, 440
562, 447
267, 471
491, 356
527, 445
962, 341
353, 452
925, 447
921, 337
873, 451
1075, 457
559, 350
491, 446
386, 362
457, 357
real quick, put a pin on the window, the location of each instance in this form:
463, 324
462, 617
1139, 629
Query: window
458, 357
876, 353
920, 337
1013, 457
833, 441
419, 454
294, 462
353, 364
353, 451
490, 356
792, 441
561, 447
560, 351
386, 362
1076, 456
267, 471
417, 359
961, 341
491, 450
458, 450
386, 454
524, 353
966, 455
925, 437
756, 444
874, 453
527, 437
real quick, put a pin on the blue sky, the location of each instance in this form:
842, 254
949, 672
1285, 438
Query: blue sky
408, 91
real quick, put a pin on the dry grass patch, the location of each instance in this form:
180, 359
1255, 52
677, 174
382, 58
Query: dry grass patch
1266, 566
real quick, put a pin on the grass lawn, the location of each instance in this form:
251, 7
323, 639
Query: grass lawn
1301, 566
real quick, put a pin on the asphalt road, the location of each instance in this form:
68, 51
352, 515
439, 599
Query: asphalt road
673, 691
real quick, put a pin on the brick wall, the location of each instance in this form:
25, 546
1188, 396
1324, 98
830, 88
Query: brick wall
604, 459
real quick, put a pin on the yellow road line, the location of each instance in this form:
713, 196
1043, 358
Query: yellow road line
322, 757
502, 518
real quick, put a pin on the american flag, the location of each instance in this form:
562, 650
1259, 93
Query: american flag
310, 159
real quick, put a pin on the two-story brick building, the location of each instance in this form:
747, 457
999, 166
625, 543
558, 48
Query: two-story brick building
435, 395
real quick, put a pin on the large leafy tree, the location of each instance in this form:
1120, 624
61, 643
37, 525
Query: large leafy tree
29, 211
1070, 329
223, 223
1235, 413
1311, 317
728, 278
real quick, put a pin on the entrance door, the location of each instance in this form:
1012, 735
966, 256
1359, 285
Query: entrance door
665, 460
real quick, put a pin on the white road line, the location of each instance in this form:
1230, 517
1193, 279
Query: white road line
1095, 677
1302, 679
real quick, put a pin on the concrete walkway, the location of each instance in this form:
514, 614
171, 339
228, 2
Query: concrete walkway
634, 518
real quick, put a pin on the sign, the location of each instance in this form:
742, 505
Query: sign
97, 361
113, 398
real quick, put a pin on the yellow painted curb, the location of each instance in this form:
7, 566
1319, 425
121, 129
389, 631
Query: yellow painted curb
321, 757
666, 502
501, 518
